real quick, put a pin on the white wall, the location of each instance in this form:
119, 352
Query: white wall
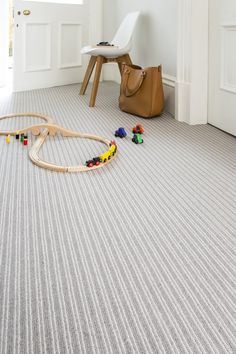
110, 19
155, 40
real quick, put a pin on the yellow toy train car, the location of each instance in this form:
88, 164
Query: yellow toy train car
108, 154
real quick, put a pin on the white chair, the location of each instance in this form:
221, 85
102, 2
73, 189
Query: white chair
118, 52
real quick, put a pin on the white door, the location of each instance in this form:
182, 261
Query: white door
222, 65
47, 41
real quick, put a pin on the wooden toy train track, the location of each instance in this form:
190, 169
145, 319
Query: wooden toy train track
49, 128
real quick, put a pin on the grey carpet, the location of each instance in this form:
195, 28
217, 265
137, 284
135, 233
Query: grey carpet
136, 257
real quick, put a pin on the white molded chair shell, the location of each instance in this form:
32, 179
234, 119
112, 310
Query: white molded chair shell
118, 53
122, 41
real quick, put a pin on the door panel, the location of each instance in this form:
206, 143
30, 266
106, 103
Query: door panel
47, 44
222, 68
37, 49
69, 54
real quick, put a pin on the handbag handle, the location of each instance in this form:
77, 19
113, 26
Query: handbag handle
128, 92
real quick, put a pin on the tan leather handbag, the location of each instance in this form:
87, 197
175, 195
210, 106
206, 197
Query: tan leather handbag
141, 91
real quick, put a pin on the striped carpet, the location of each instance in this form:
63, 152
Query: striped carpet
137, 257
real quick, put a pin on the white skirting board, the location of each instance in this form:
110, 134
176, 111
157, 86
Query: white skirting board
169, 93
111, 73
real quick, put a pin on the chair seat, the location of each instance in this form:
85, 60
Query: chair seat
105, 51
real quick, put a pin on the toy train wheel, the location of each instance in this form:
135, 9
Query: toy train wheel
97, 163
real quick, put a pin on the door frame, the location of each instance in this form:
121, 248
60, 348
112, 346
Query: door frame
191, 89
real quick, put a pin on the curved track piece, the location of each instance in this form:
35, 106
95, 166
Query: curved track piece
36, 129
34, 154
47, 119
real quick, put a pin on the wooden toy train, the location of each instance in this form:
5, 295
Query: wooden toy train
102, 158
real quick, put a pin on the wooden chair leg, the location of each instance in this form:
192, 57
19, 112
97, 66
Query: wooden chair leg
120, 67
125, 59
88, 74
100, 61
